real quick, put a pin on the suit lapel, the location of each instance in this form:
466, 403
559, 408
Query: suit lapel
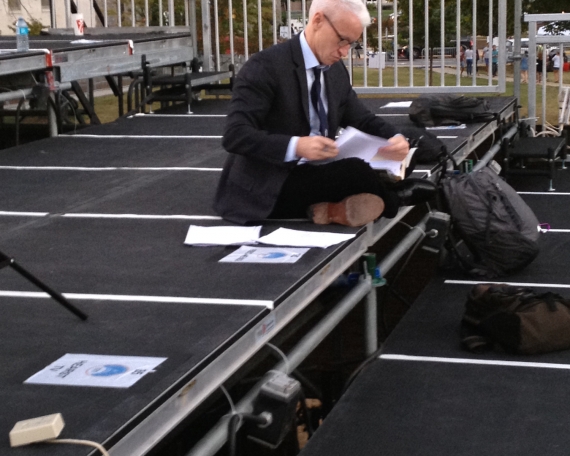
301, 73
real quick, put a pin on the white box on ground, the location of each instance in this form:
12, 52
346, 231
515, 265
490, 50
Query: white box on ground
36, 429
377, 60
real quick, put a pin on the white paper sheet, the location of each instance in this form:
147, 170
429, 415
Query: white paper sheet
448, 127
398, 104
247, 254
96, 370
222, 235
355, 143
297, 238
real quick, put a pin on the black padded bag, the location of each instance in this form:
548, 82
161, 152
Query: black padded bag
436, 110
515, 319
497, 226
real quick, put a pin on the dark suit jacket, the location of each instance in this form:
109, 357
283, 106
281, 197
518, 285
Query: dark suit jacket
270, 104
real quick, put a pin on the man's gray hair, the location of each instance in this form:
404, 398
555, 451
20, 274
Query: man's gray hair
332, 8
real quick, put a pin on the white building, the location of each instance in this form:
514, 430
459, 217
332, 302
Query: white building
30, 10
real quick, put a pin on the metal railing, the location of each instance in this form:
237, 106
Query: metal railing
537, 44
229, 31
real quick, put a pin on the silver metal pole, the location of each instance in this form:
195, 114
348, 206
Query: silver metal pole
531, 99
395, 12
171, 14
488, 156
427, 57
133, 14
415, 234
371, 323
206, 36
502, 34
245, 31
218, 435
517, 52
259, 26
442, 42
217, 34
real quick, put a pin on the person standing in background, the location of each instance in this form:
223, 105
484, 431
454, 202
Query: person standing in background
539, 57
469, 61
524, 67
486, 56
556, 66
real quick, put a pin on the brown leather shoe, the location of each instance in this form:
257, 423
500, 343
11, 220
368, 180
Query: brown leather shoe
355, 210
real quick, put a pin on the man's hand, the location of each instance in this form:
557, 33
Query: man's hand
316, 148
397, 150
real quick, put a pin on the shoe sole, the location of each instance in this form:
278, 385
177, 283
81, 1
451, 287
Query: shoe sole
354, 211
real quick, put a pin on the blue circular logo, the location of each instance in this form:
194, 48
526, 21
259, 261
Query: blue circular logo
107, 370
272, 255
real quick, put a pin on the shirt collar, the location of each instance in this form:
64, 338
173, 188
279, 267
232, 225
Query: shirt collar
308, 56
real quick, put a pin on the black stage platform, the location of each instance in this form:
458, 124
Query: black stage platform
427, 396
103, 220
101, 216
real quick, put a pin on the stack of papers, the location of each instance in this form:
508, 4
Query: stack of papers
355, 143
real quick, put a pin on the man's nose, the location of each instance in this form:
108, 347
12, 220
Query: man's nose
344, 50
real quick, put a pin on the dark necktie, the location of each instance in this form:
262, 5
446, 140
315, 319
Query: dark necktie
318, 102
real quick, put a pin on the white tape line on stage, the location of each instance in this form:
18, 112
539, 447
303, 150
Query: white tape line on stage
107, 168
135, 298
488, 362
113, 216
78, 135
24, 214
514, 284
142, 216
545, 193
189, 116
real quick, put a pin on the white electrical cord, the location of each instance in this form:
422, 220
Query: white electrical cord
81, 442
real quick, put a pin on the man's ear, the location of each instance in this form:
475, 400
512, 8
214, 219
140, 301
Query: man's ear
318, 19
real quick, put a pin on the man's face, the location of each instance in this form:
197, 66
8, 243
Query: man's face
334, 35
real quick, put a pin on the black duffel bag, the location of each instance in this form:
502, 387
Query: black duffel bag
517, 319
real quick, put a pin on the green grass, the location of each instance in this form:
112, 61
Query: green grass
106, 107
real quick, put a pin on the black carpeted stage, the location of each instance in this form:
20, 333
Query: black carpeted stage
101, 216
103, 221
424, 395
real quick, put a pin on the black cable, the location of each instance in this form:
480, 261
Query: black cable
407, 260
390, 286
360, 368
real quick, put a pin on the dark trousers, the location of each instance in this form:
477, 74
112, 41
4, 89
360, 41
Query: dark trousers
310, 184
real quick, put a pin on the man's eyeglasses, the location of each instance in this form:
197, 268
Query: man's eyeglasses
342, 41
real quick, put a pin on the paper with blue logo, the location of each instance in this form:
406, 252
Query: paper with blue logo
106, 371
246, 254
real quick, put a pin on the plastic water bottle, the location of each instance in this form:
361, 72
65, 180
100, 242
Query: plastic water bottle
22, 31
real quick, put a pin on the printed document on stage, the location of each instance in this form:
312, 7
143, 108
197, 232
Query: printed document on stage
222, 235
297, 238
248, 254
96, 370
